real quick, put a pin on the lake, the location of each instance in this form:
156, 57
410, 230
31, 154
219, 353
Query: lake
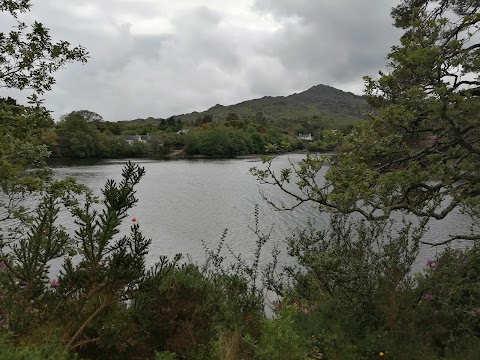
184, 202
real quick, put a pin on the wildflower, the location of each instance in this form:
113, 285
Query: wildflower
305, 311
313, 307
432, 264
427, 297
3, 266
54, 283
381, 353
134, 219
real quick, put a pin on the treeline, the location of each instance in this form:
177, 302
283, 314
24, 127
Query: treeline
84, 134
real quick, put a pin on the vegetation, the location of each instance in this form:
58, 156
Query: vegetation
84, 134
352, 294
419, 153
29, 58
260, 122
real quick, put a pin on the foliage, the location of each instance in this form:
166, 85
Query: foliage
87, 115
427, 108
224, 141
354, 263
83, 134
23, 172
353, 295
105, 304
106, 271
350, 297
450, 293
419, 151
30, 57
417, 155
77, 137
279, 339
45, 351
165, 355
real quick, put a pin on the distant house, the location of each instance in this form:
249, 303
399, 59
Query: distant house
305, 137
130, 139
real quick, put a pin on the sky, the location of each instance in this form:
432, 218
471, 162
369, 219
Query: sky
167, 57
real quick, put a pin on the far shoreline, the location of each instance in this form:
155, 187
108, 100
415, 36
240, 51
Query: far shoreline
176, 155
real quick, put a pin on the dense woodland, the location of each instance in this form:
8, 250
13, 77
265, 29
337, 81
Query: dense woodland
273, 128
352, 294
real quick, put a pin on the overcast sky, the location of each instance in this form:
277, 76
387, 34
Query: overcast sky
165, 57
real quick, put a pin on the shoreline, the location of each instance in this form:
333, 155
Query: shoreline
175, 155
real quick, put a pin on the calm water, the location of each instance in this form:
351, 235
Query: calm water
184, 202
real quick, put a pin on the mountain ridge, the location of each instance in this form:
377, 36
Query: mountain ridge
320, 100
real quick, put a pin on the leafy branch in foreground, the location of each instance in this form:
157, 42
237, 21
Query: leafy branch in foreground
105, 271
419, 152
30, 57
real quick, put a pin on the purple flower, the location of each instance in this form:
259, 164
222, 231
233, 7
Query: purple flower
433, 265
3, 266
427, 297
305, 311
54, 283
313, 307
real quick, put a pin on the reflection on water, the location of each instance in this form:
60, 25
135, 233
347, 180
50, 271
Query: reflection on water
184, 202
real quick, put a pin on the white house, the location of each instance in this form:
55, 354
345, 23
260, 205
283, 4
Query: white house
305, 137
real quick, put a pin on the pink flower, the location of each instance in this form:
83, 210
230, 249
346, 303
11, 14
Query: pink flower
305, 311
134, 219
427, 297
313, 307
3, 266
54, 283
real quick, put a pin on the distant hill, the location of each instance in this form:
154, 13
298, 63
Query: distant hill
320, 101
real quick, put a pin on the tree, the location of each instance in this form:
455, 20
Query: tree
419, 152
78, 137
232, 116
22, 155
29, 58
87, 115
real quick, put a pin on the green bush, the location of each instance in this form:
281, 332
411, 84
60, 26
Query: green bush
279, 339
449, 299
47, 350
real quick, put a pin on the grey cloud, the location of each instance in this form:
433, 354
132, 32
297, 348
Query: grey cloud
337, 41
203, 60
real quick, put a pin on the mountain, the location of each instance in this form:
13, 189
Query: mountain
320, 101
